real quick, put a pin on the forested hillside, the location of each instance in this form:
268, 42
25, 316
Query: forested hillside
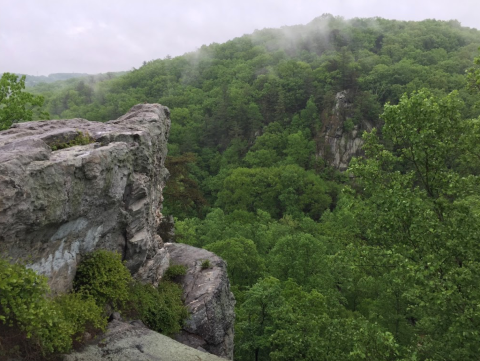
378, 263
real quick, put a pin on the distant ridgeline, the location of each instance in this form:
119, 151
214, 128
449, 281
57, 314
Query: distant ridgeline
67, 79
32, 80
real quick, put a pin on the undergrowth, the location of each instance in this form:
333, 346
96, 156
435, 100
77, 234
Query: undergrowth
34, 325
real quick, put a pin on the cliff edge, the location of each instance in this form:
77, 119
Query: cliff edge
60, 201
57, 205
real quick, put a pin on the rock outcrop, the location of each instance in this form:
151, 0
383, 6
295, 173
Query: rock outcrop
207, 295
132, 341
338, 143
57, 205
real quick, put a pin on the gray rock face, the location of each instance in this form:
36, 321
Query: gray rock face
134, 342
208, 297
56, 206
340, 145
166, 230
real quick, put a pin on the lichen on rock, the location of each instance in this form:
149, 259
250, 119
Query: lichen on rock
58, 205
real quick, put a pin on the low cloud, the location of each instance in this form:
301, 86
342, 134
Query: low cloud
50, 36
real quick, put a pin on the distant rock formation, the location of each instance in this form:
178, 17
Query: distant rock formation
58, 205
338, 144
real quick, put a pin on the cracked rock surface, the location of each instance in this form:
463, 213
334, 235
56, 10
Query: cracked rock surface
126, 341
209, 299
57, 205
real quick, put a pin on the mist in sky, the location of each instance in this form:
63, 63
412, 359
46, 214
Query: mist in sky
39, 37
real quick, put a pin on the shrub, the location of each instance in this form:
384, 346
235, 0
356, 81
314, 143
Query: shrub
161, 309
41, 324
174, 272
103, 275
206, 264
82, 313
22, 297
25, 308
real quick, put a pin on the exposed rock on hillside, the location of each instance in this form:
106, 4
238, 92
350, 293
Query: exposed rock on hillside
134, 342
208, 297
339, 143
57, 205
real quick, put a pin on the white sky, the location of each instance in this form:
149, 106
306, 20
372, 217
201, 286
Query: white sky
40, 37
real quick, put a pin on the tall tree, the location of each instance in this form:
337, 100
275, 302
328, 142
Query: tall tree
419, 208
15, 104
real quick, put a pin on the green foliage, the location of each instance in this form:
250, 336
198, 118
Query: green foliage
174, 272
80, 139
53, 324
182, 194
82, 312
244, 264
278, 191
161, 309
206, 264
420, 226
281, 321
299, 150
473, 75
15, 104
302, 258
103, 275
49, 324
22, 295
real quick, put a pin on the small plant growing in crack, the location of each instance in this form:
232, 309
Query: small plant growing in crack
175, 272
80, 139
206, 264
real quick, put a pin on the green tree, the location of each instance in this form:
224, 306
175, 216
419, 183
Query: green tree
302, 258
419, 212
244, 265
257, 318
15, 104
182, 196
299, 150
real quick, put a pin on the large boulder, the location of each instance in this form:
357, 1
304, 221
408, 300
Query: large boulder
207, 294
57, 205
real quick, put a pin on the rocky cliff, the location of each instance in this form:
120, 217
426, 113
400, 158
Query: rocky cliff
207, 295
340, 139
56, 205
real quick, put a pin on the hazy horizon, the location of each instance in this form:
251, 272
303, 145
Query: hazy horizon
41, 38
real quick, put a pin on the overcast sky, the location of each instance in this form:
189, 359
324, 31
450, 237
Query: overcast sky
97, 36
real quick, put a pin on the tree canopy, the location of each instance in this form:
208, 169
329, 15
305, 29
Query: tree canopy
15, 104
